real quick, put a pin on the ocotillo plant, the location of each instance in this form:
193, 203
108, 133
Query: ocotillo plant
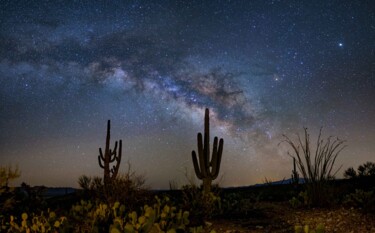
207, 169
109, 157
295, 176
316, 166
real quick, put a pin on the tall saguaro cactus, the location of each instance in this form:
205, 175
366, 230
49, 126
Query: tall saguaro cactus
109, 157
208, 168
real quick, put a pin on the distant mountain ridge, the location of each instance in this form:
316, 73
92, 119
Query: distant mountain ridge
280, 182
61, 191
58, 191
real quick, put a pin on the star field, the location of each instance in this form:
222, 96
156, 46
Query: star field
264, 68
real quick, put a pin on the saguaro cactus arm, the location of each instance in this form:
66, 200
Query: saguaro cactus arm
203, 160
116, 158
196, 166
100, 158
216, 157
110, 156
113, 153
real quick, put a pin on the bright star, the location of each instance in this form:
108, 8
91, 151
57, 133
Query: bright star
341, 44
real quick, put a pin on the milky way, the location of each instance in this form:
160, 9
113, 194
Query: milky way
264, 68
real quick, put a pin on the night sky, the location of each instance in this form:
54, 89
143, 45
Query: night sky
264, 68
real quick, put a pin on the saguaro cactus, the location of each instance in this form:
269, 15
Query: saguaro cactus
207, 169
109, 157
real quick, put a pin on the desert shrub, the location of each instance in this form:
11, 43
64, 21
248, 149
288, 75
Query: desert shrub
295, 202
22, 199
33, 197
231, 203
316, 166
301, 200
361, 199
202, 205
238, 205
8, 198
86, 183
126, 188
7, 174
365, 170
350, 173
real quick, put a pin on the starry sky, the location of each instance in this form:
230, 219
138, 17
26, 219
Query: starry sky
263, 68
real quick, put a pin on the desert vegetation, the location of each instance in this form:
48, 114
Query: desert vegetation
120, 202
316, 166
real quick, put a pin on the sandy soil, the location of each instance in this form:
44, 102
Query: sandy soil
279, 217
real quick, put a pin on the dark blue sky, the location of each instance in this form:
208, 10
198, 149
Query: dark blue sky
264, 68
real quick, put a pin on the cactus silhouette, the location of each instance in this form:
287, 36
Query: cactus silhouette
207, 170
109, 157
